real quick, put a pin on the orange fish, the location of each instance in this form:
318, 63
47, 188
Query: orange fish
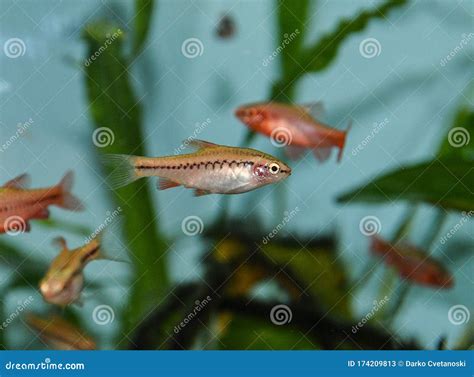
19, 205
295, 127
60, 334
413, 263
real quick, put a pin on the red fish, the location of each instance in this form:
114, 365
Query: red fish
413, 263
294, 126
19, 205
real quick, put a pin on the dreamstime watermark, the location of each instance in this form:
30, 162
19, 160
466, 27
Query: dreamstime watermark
14, 48
288, 216
44, 365
200, 305
287, 39
197, 131
192, 225
459, 315
459, 47
20, 131
281, 314
110, 39
19, 309
370, 225
370, 48
458, 137
103, 137
464, 219
192, 48
375, 130
377, 305
14, 225
110, 217
103, 315
281, 137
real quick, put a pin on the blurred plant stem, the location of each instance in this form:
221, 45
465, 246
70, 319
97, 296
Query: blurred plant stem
114, 105
390, 275
142, 23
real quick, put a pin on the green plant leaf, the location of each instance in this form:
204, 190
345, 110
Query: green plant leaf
113, 105
292, 18
459, 142
143, 15
445, 183
321, 54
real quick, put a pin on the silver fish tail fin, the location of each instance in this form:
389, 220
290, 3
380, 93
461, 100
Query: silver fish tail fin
122, 170
343, 143
68, 200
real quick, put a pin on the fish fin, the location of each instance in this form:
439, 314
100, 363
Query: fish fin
199, 192
315, 109
165, 183
110, 245
41, 214
322, 153
122, 170
60, 242
20, 182
200, 144
69, 201
341, 147
294, 152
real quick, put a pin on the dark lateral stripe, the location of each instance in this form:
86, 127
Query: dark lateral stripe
187, 165
90, 254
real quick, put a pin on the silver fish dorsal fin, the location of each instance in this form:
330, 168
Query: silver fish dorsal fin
20, 182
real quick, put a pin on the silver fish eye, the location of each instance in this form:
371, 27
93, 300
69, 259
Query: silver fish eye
274, 168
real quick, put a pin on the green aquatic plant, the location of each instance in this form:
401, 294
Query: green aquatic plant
114, 105
421, 183
300, 58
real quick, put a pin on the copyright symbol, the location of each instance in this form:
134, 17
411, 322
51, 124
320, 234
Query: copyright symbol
401, 363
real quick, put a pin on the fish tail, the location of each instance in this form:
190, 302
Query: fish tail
122, 170
68, 200
343, 142
110, 247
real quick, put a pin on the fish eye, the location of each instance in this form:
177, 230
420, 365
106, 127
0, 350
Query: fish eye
274, 168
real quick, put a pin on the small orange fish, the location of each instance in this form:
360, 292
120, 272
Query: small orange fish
413, 263
212, 169
19, 205
60, 334
293, 126
64, 280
